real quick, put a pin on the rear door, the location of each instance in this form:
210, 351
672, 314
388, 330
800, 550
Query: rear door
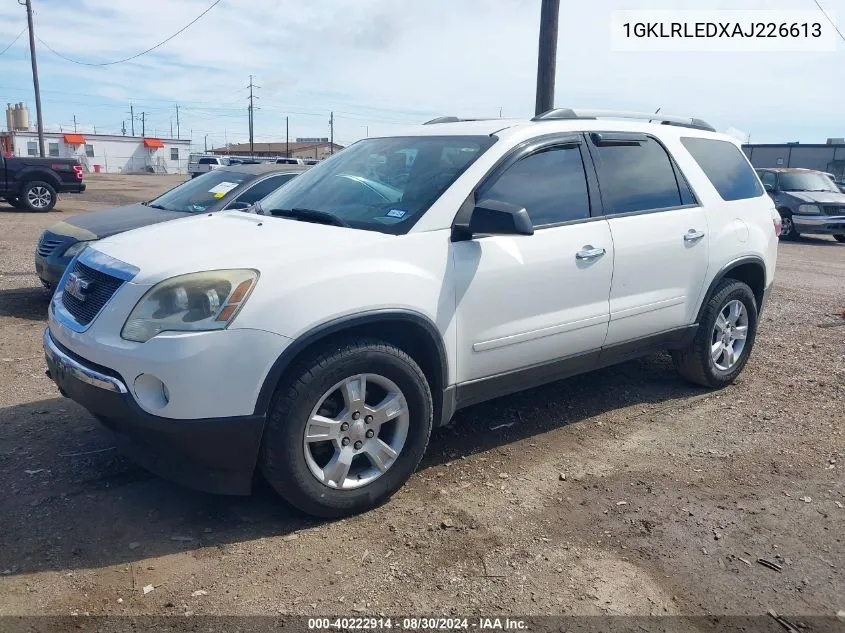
660, 236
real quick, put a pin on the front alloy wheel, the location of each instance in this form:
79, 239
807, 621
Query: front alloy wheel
356, 431
348, 425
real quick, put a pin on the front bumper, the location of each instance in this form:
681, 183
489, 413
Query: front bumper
826, 224
216, 455
50, 269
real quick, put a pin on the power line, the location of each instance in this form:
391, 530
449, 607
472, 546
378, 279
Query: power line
832, 23
126, 59
23, 30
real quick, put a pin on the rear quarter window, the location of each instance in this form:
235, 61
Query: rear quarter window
726, 167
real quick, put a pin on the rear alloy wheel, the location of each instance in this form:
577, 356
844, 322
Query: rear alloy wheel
724, 337
38, 196
787, 227
840, 237
347, 428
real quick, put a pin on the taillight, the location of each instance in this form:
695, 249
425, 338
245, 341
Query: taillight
77, 169
777, 222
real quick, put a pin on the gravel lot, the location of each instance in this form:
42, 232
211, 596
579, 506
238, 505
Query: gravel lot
624, 491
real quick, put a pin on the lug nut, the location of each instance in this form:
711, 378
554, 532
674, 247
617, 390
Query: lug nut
345, 441
356, 415
370, 433
358, 445
344, 426
368, 419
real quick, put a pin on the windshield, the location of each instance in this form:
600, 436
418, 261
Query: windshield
198, 194
805, 181
380, 184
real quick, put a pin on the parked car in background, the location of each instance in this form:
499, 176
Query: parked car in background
808, 202
322, 341
234, 187
199, 164
33, 184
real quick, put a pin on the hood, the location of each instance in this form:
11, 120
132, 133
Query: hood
821, 197
229, 239
99, 224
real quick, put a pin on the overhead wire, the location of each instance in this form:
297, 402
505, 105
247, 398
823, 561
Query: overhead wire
131, 57
23, 30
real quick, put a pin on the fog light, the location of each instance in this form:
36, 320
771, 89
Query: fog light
151, 392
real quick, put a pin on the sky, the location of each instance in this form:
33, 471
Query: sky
379, 64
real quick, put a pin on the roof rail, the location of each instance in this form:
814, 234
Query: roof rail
665, 119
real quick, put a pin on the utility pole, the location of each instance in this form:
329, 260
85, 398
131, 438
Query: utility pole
132, 118
205, 145
251, 115
287, 137
500, 112
367, 131
177, 121
171, 127
547, 55
143, 124
123, 127
331, 133
40, 120
74, 124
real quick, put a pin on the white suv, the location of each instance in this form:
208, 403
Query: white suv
321, 337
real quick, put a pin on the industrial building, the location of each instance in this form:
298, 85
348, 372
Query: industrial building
318, 148
97, 153
829, 157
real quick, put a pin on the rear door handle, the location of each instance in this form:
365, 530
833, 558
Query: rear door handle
588, 252
692, 235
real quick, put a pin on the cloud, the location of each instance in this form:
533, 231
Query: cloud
381, 63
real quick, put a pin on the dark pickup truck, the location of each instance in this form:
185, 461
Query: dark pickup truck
33, 184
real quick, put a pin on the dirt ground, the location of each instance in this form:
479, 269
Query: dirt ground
624, 491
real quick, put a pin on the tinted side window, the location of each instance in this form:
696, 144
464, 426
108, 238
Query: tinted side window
550, 184
264, 188
208, 161
637, 176
769, 178
726, 167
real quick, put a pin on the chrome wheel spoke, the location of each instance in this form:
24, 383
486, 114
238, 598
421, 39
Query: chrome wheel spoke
741, 332
322, 429
380, 454
354, 391
735, 312
386, 410
338, 467
716, 351
721, 322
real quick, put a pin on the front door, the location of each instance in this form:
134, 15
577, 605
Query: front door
524, 301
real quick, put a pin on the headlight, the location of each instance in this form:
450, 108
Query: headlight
190, 303
809, 209
75, 249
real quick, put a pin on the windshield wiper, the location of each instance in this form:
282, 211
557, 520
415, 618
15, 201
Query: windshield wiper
157, 206
310, 215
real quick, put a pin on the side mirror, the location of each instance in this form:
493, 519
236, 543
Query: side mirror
494, 217
769, 188
237, 204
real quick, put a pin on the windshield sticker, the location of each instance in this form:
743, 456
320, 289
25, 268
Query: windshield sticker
222, 189
395, 213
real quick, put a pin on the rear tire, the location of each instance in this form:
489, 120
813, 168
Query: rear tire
708, 361
840, 237
323, 385
38, 196
787, 227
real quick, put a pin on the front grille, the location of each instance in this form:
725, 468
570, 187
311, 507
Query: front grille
102, 287
830, 209
47, 246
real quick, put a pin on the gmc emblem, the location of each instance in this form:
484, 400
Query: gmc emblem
77, 287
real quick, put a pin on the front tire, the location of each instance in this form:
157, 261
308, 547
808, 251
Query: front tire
347, 428
724, 338
787, 227
38, 196
840, 237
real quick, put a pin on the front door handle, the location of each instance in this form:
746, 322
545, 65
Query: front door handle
588, 252
692, 235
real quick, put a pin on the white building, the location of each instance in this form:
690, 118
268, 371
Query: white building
105, 153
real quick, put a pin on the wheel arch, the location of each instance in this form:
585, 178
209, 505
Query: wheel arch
36, 173
750, 270
410, 331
